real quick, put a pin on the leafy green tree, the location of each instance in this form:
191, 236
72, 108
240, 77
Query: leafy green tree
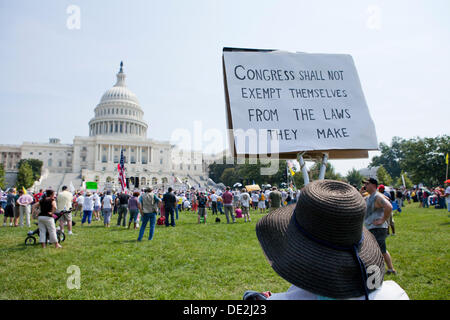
399, 182
424, 159
354, 178
229, 177
2, 176
36, 166
24, 176
330, 172
383, 176
390, 157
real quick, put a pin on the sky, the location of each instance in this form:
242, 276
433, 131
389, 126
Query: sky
58, 58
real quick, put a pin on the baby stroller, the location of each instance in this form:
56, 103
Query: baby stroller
31, 235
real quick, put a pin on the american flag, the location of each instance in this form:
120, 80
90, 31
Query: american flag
121, 169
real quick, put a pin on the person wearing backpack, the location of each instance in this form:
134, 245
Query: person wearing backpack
149, 208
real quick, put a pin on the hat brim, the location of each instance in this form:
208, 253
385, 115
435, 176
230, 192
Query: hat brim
312, 266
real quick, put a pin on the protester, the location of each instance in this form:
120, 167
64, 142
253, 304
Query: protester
97, 206
46, 222
447, 195
391, 224
201, 204
170, 202
134, 207
24, 202
379, 210
107, 205
245, 204
262, 202
149, 207
321, 247
64, 203
122, 202
227, 197
10, 205
255, 200
213, 198
88, 208
275, 199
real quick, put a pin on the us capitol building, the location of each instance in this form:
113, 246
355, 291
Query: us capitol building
117, 124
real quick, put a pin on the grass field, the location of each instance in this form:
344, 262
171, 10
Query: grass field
191, 261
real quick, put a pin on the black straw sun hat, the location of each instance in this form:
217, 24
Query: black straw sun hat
320, 244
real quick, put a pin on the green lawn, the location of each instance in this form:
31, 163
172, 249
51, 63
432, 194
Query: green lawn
191, 261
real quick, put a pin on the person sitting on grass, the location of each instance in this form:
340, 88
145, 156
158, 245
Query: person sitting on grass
321, 247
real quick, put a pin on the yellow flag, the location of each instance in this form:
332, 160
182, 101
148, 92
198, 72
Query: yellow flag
446, 159
292, 171
24, 191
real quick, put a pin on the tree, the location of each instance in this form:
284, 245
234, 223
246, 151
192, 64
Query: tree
399, 182
330, 172
24, 176
2, 176
228, 177
383, 176
36, 166
390, 157
354, 178
422, 158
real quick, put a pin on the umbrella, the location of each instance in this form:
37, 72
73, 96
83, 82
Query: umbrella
237, 185
447, 181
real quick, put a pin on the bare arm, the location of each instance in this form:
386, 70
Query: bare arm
381, 202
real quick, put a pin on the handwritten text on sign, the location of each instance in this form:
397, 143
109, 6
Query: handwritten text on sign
304, 101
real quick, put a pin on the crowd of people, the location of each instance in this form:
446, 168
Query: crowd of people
137, 207
292, 221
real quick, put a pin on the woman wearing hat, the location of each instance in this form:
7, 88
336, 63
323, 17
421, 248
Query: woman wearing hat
322, 248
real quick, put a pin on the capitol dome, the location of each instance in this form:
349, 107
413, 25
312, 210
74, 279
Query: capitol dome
118, 112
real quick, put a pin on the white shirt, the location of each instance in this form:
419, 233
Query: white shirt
389, 290
245, 202
107, 201
88, 203
97, 200
80, 200
255, 197
214, 197
64, 200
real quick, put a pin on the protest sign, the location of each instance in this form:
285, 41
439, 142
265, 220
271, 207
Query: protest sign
285, 103
91, 185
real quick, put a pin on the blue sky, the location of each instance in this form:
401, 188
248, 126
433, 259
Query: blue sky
52, 77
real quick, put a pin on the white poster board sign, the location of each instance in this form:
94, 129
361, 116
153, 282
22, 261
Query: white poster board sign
296, 102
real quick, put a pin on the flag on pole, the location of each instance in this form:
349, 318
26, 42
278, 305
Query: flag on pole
24, 191
290, 166
121, 169
446, 159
